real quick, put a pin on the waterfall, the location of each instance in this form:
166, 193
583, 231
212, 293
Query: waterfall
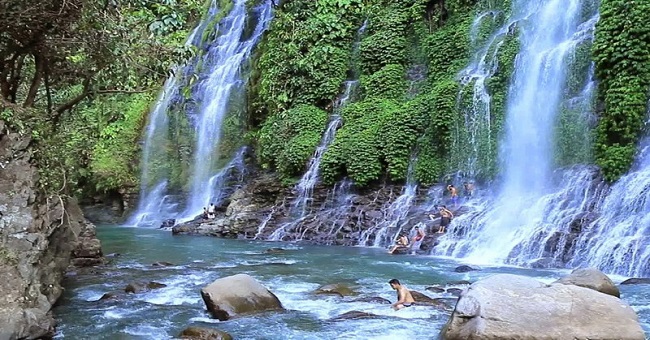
218, 71
224, 60
388, 228
309, 179
535, 202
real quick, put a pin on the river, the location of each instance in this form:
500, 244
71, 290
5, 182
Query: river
292, 275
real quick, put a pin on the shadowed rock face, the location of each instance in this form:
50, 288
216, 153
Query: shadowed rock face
509, 306
39, 238
593, 279
239, 294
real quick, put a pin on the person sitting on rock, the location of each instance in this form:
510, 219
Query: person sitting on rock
404, 297
211, 211
454, 194
445, 219
205, 213
402, 242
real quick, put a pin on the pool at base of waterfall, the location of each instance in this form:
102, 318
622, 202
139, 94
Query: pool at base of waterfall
292, 274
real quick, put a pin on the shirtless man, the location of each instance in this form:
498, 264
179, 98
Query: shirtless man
402, 241
454, 194
445, 218
404, 297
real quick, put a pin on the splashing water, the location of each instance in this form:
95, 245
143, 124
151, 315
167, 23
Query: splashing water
532, 198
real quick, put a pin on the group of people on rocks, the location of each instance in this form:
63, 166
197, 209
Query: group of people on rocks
210, 212
445, 214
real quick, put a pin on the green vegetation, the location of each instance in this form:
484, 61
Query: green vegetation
622, 55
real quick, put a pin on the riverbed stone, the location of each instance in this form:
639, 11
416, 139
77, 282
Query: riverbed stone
637, 281
373, 299
591, 278
455, 291
464, 269
354, 315
141, 287
435, 289
237, 295
339, 289
510, 307
200, 333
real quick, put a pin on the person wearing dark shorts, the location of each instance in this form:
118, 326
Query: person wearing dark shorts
445, 219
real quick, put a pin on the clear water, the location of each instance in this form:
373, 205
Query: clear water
292, 276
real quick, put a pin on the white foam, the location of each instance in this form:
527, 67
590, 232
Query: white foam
204, 319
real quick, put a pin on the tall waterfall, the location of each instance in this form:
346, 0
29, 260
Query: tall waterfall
532, 196
219, 79
224, 60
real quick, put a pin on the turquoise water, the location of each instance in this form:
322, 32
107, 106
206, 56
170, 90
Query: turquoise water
292, 276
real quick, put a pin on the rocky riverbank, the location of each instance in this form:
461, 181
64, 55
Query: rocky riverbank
40, 237
263, 209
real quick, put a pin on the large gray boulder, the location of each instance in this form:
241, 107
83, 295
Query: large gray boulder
591, 278
238, 294
506, 306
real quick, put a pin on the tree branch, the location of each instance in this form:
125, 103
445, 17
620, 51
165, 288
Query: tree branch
36, 81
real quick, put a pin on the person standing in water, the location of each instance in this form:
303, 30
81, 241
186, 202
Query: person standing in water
404, 297
445, 219
469, 189
454, 194
211, 211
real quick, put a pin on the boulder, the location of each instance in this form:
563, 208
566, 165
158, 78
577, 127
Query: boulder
507, 306
354, 315
141, 287
236, 295
423, 300
591, 278
339, 289
199, 333
162, 264
464, 269
373, 299
636, 281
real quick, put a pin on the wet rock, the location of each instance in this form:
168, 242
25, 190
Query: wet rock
169, 223
506, 306
458, 283
141, 287
200, 333
424, 300
354, 315
591, 278
464, 269
113, 255
339, 289
162, 264
543, 263
111, 296
374, 299
435, 289
236, 295
637, 281
455, 291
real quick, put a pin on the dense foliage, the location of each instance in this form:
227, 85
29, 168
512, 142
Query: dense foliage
80, 75
622, 55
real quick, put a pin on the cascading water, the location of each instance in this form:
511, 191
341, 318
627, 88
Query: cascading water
531, 198
390, 226
222, 62
618, 241
309, 179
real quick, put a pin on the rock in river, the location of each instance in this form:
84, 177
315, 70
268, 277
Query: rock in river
199, 333
593, 279
509, 307
236, 295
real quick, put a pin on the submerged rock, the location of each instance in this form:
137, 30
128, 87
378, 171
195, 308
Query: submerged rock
354, 315
141, 287
339, 289
591, 278
506, 306
454, 291
162, 264
435, 289
275, 251
424, 300
236, 295
200, 333
464, 269
637, 281
458, 283
373, 299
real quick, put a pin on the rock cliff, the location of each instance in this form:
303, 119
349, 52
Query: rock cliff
40, 236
